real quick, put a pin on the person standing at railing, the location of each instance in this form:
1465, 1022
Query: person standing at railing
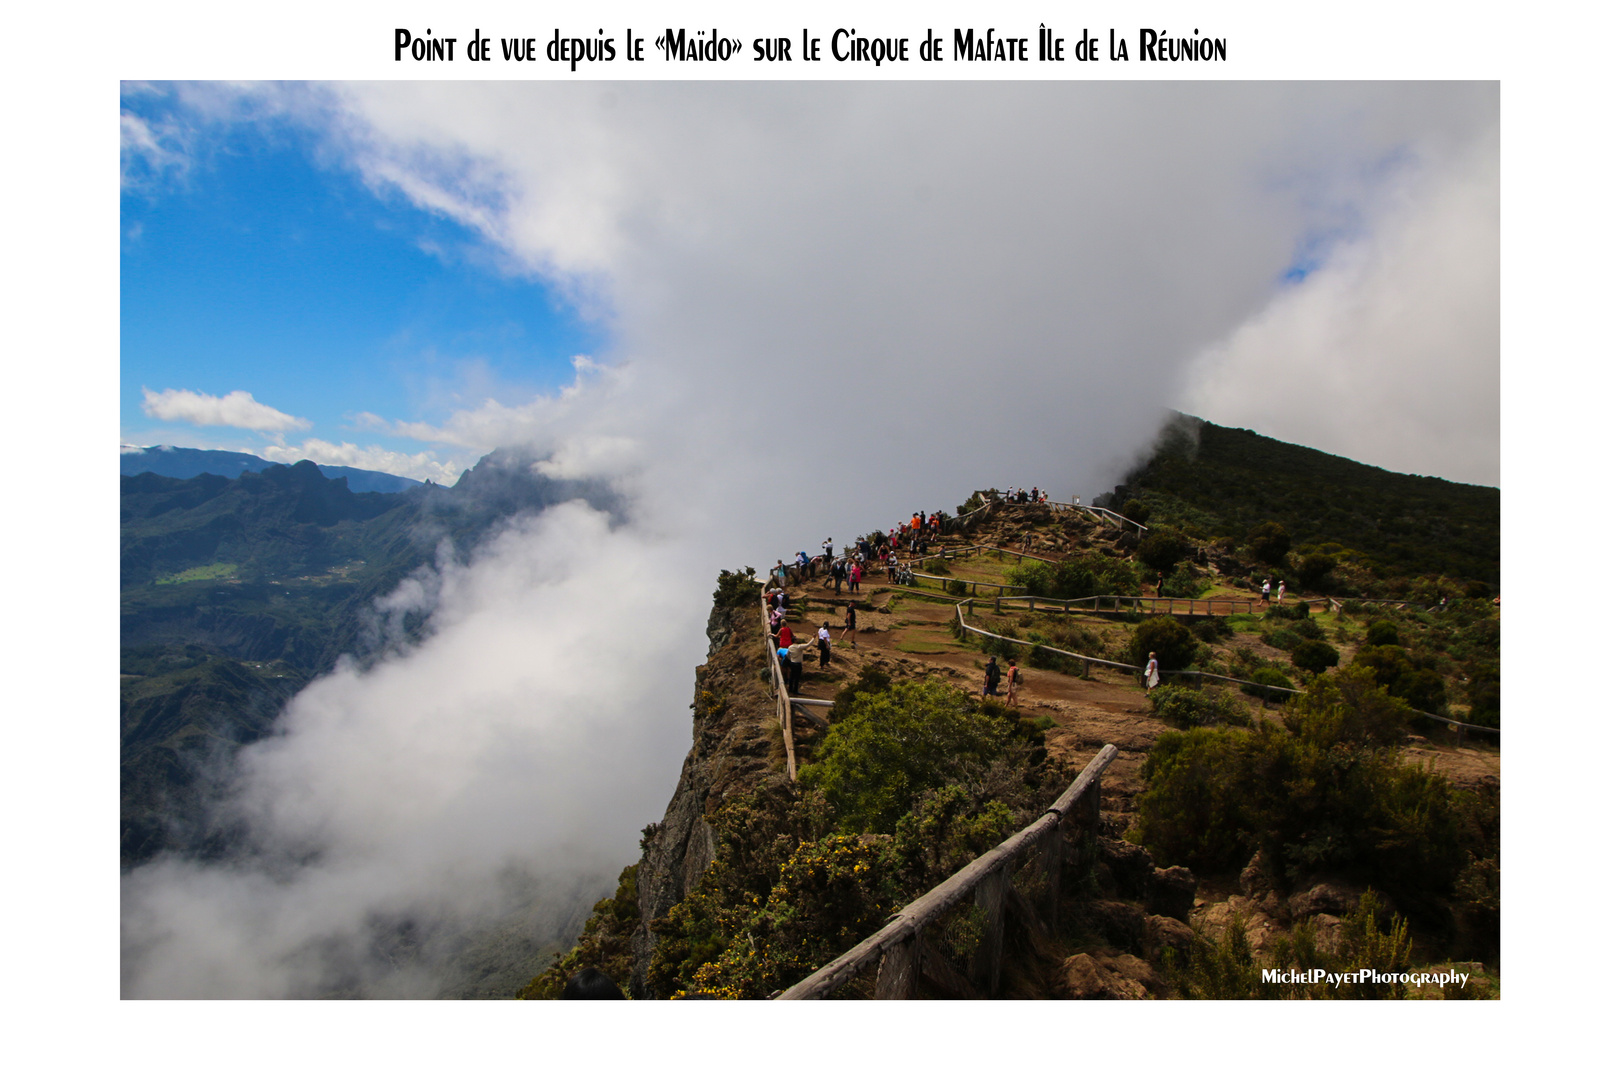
795, 672
784, 636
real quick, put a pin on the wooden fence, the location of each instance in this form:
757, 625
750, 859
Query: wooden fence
1197, 676
899, 948
784, 705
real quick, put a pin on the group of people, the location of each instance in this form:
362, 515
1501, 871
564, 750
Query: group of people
1033, 495
1265, 590
789, 650
992, 680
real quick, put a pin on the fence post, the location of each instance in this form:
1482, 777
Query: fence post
991, 896
970, 608
897, 971
1065, 607
998, 601
1054, 871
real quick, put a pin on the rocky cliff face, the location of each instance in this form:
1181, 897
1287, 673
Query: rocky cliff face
736, 744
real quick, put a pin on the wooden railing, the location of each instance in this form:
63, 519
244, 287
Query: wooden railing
899, 948
784, 705
1230, 605
1197, 676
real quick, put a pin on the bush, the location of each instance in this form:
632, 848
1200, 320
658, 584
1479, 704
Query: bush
1314, 656
1268, 677
1163, 635
936, 566
1386, 662
1136, 510
1214, 795
1184, 707
1422, 689
1308, 629
1183, 582
735, 588
1383, 632
1162, 549
1313, 570
1347, 707
896, 743
1270, 543
1212, 630
1281, 638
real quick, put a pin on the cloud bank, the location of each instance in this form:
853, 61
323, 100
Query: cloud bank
829, 305
236, 409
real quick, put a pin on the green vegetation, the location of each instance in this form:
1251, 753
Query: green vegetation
211, 572
1314, 656
1184, 707
1321, 794
736, 588
912, 781
1091, 574
603, 944
1173, 642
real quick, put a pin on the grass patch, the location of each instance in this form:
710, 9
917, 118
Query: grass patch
211, 572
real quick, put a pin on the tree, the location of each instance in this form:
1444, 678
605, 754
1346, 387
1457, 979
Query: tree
1162, 549
1270, 543
1174, 643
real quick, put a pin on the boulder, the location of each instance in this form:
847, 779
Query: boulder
1131, 866
1119, 923
1169, 891
1330, 897
1105, 978
1159, 932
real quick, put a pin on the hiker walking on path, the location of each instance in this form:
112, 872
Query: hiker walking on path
854, 579
1014, 677
784, 637
824, 644
838, 572
1151, 675
1265, 591
992, 678
849, 623
1282, 587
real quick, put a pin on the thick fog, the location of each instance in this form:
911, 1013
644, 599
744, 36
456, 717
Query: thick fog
829, 305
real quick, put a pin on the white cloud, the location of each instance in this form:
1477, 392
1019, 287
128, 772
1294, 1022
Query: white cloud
236, 409
423, 466
1389, 353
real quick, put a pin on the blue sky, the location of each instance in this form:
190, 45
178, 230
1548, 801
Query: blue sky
249, 265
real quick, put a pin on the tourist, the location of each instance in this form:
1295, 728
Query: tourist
824, 643
795, 671
1014, 677
849, 622
1151, 675
992, 678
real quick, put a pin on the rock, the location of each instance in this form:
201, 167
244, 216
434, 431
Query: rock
1260, 930
1331, 897
1105, 978
1252, 880
1131, 865
1169, 891
1159, 932
1329, 931
1119, 923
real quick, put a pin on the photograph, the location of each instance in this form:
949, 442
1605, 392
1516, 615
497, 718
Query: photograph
856, 538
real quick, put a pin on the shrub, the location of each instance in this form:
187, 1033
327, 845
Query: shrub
1423, 690
1163, 635
1313, 570
1183, 582
1382, 632
1281, 638
894, 744
1214, 795
1347, 707
1268, 677
1184, 707
937, 566
1162, 549
1308, 629
1314, 656
735, 588
1136, 510
1386, 662
1212, 630
871, 680
956, 588
1270, 543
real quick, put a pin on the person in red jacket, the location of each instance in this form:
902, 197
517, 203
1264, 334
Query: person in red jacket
785, 638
